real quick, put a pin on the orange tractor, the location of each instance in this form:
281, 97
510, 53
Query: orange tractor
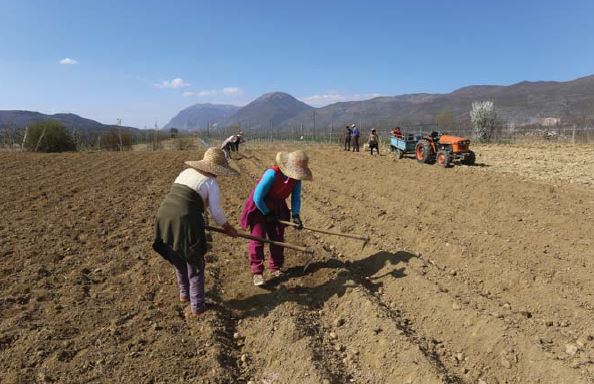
444, 150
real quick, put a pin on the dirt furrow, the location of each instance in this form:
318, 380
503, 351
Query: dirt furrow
453, 249
320, 208
471, 276
317, 290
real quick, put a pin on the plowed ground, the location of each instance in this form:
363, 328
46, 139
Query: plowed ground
471, 276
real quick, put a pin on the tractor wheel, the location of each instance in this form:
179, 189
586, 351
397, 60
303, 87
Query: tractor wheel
443, 159
424, 152
399, 154
470, 159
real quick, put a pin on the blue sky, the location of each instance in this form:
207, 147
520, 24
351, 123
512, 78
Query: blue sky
143, 61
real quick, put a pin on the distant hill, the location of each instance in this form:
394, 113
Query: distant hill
520, 103
523, 102
274, 107
199, 115
20, 119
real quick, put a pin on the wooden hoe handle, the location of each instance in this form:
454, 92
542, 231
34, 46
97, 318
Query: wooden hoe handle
250, 237
349, 235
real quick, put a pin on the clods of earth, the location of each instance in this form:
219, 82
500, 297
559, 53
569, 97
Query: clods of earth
473, 274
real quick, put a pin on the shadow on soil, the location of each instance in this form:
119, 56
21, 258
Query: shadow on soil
350, 274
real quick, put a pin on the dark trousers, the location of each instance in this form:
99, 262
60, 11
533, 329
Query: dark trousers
190, 280
372, 146
355, 143
347, 143
227, 150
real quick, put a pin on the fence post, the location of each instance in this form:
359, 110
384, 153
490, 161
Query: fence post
24, 138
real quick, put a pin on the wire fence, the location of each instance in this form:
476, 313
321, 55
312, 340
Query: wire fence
502, 133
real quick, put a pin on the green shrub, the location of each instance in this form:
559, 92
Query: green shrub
49, 136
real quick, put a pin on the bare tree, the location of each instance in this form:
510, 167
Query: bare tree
24, 138
40, 138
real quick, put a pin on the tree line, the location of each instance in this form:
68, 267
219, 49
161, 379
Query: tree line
53, 136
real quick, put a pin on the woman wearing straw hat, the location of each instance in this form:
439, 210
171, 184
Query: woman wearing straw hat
179, 228
266, 205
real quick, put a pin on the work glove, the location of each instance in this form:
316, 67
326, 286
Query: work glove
270, 218
298, 222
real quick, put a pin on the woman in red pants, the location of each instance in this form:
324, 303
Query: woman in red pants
266, 205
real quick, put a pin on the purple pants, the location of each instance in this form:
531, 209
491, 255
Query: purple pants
190, 279
260, 228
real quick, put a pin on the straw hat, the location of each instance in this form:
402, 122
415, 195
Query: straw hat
294, 165
214, 162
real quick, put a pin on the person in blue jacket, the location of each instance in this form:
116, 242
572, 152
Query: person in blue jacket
266, 205
355, 135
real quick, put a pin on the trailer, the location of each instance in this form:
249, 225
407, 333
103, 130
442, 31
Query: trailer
404, 144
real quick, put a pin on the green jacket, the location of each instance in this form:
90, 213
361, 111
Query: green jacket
180, 225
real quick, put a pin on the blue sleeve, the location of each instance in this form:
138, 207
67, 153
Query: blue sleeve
262, 190
296, 199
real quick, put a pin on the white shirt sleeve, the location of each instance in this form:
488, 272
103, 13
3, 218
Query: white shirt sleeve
214, 202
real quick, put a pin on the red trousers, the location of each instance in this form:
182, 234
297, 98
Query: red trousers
260, 228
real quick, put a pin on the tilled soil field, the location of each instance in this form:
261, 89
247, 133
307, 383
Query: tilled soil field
471, 276
567, 163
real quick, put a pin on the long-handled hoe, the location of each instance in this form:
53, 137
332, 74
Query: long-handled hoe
364, 238
307, 250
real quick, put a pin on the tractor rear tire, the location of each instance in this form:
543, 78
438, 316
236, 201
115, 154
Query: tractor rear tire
443, 159
470, 159
424, 152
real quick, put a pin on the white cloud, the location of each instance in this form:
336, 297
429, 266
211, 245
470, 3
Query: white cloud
330, 97
210, 92
227, 91
68, 61
232, 91
176, 83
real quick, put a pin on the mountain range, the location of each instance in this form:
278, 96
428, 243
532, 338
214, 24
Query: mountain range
270, 109
523, 102
20, 119
200, 115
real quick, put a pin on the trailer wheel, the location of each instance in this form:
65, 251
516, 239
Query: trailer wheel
470, 159
423, 152
443, 159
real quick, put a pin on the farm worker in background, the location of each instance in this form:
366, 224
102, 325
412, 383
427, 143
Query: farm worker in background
347, 138
266, 205
179, 227
396, 132
228, 145
355, 135
373, 141
238, 141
